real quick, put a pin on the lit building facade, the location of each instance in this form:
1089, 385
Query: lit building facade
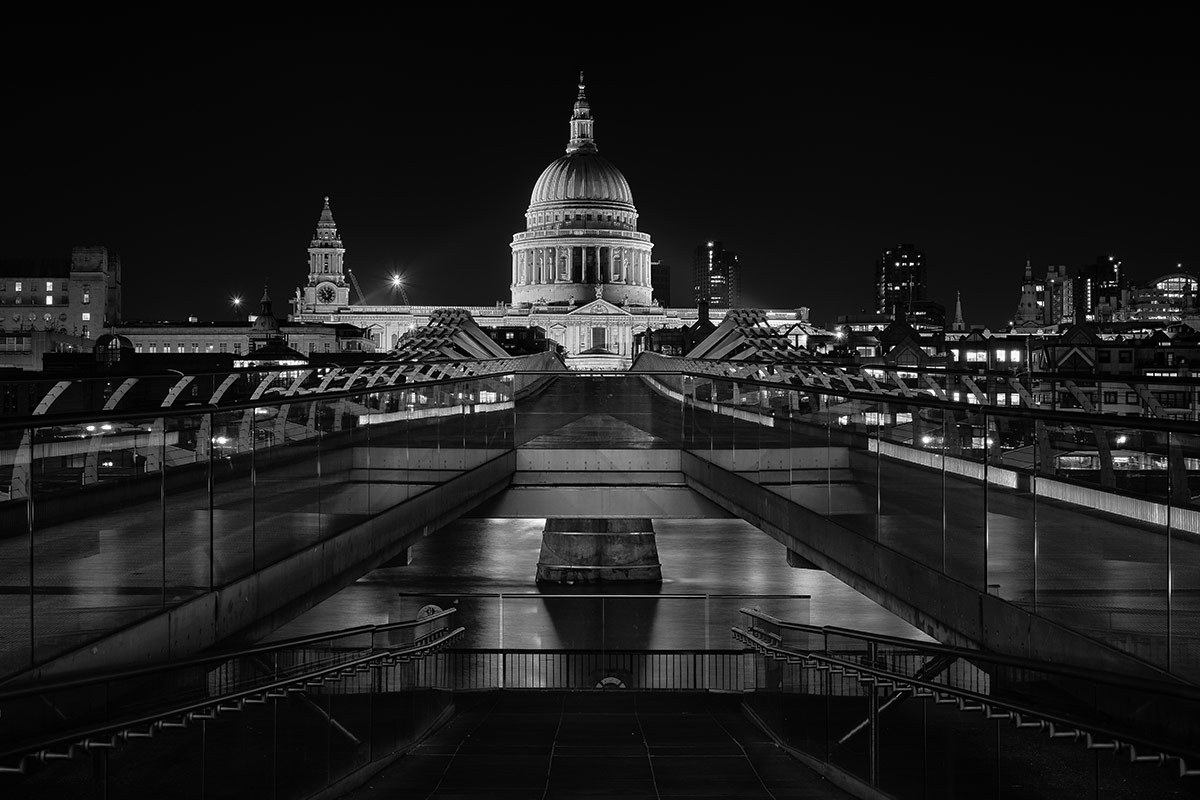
1099, 290
581, 270
79, 296
1168, 298
900, 280
1045, 301
715, 275
581, 241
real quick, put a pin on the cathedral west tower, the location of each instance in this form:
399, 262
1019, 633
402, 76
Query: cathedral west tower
581, 241
327, 288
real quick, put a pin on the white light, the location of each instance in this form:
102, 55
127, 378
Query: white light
90, 428
926, 439
1121, 439
106, 427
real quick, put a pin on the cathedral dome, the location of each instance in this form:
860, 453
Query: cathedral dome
582, 175
581, 241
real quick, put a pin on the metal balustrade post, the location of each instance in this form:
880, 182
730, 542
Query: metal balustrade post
872, 721
29, 523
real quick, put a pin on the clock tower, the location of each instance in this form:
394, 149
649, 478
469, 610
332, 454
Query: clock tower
327, 288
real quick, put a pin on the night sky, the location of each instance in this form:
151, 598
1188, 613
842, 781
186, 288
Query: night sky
202, 157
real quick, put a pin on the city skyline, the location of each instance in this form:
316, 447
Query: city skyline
205, 167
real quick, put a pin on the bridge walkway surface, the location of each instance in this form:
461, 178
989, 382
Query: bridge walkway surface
546, 744
108, 566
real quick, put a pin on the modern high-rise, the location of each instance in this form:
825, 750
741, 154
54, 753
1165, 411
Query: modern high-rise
660, 282
1099, 290
715, 276
899, 279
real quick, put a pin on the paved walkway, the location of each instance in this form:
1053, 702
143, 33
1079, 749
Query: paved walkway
507, 745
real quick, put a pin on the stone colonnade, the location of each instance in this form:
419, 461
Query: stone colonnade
587, 264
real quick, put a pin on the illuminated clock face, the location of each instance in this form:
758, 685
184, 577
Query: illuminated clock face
326, 294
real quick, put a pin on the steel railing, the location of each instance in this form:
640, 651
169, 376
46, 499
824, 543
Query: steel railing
868, 661
97, 725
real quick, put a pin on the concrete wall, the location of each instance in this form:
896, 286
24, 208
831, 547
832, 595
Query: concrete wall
948, 610
259, 603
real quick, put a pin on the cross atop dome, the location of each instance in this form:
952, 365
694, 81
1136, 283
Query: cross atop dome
581, 124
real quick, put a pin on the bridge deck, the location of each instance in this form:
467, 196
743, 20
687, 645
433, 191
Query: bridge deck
593, 744
75, 579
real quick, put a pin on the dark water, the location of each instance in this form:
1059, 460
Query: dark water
711, 568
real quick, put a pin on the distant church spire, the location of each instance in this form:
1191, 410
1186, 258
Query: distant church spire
958, 325
326, 265
326, 227
581, 124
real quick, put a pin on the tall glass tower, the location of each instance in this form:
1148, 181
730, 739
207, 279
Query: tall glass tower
715, 276
899, 279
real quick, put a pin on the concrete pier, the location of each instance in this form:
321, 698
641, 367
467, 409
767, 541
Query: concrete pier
594, 550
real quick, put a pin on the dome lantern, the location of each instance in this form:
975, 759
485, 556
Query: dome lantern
581, 124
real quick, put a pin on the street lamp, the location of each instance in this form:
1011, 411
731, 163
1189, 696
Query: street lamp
398, 284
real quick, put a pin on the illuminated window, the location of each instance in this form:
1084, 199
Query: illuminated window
87, 298
49, 286
1000, 356
49, 299
1014, 356
86, 316
18, 286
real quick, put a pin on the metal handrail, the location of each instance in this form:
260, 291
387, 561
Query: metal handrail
1183, 691
109, 735
917, 400
1096, 737
44, 687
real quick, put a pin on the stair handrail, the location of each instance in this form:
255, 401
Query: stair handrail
65, 745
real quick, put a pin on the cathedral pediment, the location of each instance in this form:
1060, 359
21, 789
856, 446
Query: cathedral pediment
598, 307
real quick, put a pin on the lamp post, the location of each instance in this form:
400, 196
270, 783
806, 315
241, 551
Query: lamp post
398, 284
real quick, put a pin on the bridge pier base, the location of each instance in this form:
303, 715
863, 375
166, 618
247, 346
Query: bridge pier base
594, 550
401, 559
798, 561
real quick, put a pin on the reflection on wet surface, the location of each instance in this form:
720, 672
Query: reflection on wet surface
711, 568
